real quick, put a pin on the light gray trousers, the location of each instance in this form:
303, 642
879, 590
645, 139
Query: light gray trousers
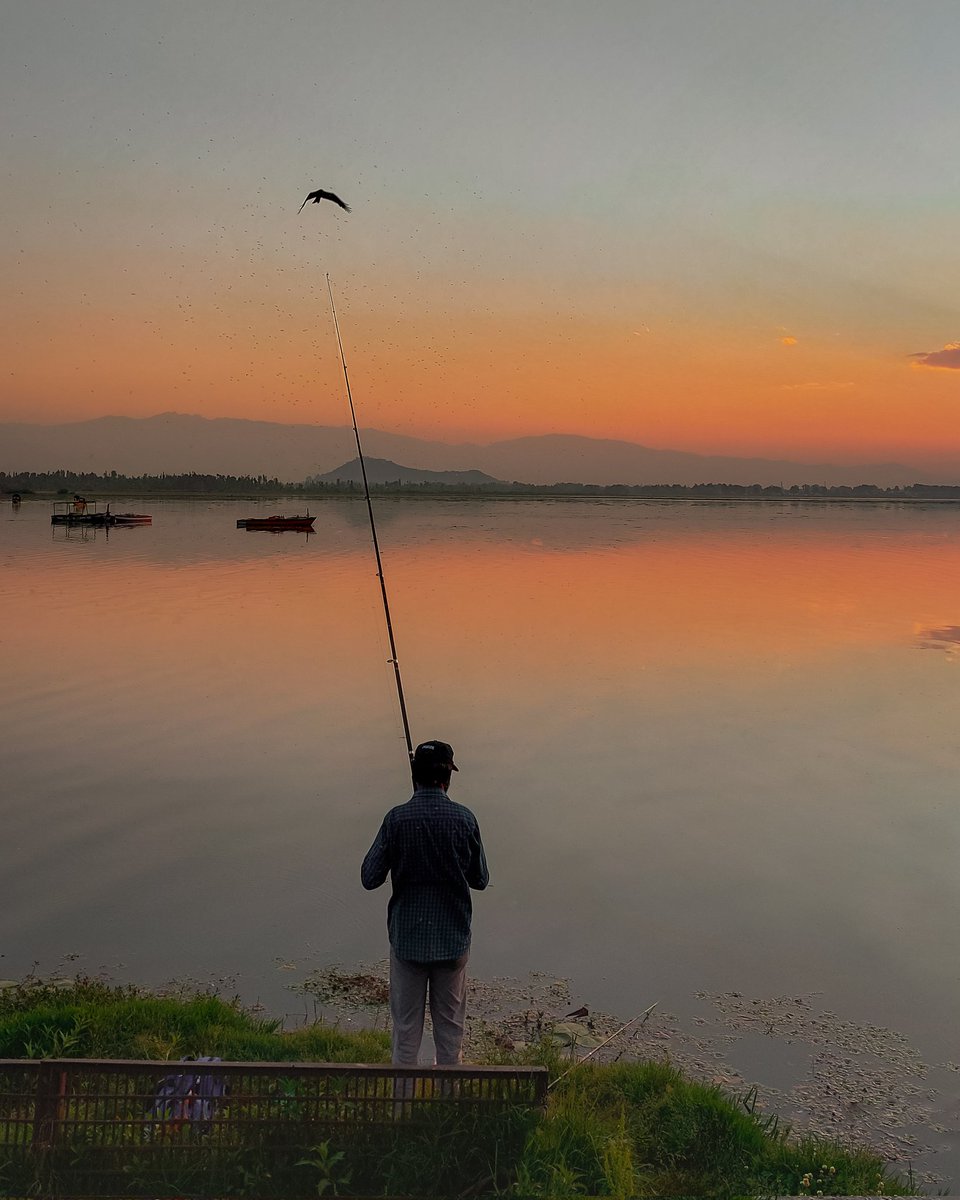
410, 983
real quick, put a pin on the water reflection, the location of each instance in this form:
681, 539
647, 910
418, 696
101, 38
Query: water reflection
947, 638
699, 742
304, 535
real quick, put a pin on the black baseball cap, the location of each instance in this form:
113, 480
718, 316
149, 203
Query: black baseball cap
434, 754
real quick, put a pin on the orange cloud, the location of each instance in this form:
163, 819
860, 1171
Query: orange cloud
788, 341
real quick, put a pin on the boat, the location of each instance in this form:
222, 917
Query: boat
277, 523
85, 512
128, 518
77, 511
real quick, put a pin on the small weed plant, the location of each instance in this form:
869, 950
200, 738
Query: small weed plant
328, 1167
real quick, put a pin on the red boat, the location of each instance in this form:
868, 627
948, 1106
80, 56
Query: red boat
277, 523
128, 518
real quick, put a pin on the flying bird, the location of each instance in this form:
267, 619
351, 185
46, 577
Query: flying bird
319, 195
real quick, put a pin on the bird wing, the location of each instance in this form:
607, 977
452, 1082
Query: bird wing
335, 198
319, 195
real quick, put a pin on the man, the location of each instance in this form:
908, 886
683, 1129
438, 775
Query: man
432, 850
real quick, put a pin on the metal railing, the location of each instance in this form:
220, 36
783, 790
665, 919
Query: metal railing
84, 1127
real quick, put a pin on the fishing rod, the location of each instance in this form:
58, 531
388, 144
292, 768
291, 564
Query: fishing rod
373, 532
616, 1033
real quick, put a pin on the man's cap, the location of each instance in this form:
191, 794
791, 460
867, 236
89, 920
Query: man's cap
434, 754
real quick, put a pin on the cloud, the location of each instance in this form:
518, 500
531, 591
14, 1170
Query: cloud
947, 359
788, 341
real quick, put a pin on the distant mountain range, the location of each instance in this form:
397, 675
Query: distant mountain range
176, 443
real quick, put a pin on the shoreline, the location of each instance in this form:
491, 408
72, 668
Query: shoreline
652, 1075
418, 494
791, 1057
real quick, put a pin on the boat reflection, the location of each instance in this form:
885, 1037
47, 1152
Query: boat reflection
78, 533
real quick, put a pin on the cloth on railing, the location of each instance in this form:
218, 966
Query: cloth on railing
189, 1095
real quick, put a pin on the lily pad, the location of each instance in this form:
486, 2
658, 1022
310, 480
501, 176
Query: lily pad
569, 1033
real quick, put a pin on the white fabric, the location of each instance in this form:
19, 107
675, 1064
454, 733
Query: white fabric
411, 985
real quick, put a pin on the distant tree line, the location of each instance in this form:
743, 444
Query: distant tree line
112, 482
752, 491
731, 491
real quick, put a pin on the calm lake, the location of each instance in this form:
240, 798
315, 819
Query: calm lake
712, 747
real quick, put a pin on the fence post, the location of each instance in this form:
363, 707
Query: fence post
46, 1108
540, 1085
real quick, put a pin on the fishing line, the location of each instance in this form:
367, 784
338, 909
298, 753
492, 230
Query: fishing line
373, 532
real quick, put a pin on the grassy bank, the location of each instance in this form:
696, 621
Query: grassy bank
623, 1129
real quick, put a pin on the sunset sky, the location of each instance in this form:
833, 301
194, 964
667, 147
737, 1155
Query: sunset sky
720, 227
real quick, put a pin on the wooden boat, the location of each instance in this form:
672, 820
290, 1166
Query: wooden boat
85, 512
277, 523
129, 518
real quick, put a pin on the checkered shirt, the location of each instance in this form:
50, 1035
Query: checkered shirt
432, 850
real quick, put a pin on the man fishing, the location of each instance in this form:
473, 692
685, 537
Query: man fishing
432, 850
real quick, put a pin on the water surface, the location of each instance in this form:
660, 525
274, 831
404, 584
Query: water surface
710, 746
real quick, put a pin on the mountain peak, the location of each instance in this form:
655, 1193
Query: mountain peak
383, 470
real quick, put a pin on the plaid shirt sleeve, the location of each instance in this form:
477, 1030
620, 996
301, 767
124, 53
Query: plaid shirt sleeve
478, 876
376, 865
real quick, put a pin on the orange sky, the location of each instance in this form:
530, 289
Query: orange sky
741, 243
480, 376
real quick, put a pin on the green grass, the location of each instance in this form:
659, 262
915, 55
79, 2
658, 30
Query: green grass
91, 1019
621, 1130
643, 1129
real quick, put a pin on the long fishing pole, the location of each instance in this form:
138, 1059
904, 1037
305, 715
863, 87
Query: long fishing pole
373, 531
